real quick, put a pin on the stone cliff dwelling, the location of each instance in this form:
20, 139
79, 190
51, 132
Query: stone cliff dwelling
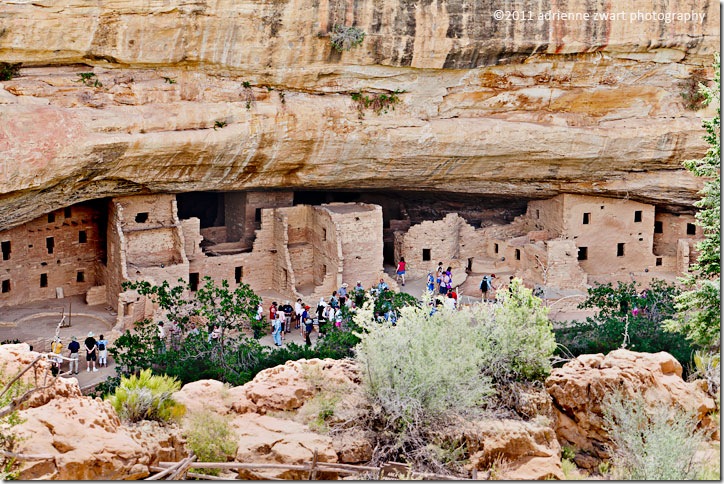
307, 244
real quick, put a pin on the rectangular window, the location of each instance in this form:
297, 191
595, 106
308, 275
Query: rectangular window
257, 215
6, 285
620, 249
537, 213
82, 237
80, 276
517, 254
586, 218
690, 229
324, 235
194, 281
324, 269
67, 212
51, 218
141, 217
426, 255
127, 308
583, 253
638, 214
6, 249
50, 244
496, 248
659, 261
238, 274
43, 280
658, 227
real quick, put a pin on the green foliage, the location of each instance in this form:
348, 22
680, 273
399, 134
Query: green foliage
344, 38
246, 85
9, 70
147, 397
211, 439
219, 124
656, 444
259, 328
9, 440
452, 358
615, 325
568, 452
699, 316
106, 387
169, 80
249, 97
691, 90
379, 103
89, 79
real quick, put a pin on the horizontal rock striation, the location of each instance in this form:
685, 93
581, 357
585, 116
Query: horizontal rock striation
507, 108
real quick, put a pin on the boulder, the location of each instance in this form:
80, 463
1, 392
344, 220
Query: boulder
265, 439
519, 450
580, 386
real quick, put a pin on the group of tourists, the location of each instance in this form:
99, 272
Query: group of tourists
95, 350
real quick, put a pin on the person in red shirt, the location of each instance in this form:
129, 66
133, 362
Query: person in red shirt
454, 295
272, 312
401, 270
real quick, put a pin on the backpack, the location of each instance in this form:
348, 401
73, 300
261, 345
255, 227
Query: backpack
101, 346
484, 284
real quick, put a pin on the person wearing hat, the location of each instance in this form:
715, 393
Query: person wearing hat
91, 351
74, 348
343, 293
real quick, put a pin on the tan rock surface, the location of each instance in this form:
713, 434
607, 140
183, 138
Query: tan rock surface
520, 450
513, 108
579, 387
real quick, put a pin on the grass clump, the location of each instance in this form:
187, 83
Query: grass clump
147, 397
9, 70
650, 445
211, 438
379, 103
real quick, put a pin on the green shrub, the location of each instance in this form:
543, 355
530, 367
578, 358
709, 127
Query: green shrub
615, 326
9, 70
650, 444
380, 103
211, 439
147, 397
345, 38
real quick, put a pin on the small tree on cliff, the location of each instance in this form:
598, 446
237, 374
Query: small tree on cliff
698, 309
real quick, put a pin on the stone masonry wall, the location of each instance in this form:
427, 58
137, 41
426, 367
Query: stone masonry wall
62, 249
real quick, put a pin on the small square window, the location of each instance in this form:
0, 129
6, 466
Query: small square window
638, 215
586, 218
82, 237
238, 274
620, 249
6, 285
583, 253
426, 255
141, 217
517, 254
690, 229
43, 280
67, 212
659, 261
658, 227
80, 276
51, 218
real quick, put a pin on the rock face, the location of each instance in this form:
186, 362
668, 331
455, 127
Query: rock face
520, 450
82, 436
579, 387
497, 107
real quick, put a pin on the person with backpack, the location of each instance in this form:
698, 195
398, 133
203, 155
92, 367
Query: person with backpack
103, 352
485, 286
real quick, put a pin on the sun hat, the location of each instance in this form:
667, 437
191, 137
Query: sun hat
344, 284
74, 338
90, 334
